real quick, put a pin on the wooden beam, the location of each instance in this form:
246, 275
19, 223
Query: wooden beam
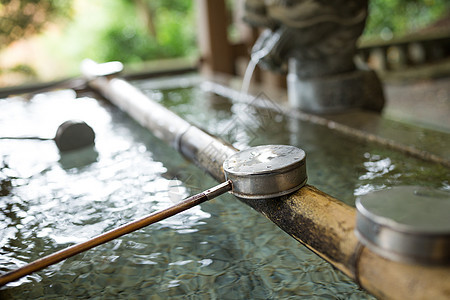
215, 48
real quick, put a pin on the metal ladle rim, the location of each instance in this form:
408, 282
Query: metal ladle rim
283, 175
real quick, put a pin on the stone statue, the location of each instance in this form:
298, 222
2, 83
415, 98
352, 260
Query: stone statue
315, 42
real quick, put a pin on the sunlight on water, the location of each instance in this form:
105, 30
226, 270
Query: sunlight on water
219, 250
59, 199
377, 167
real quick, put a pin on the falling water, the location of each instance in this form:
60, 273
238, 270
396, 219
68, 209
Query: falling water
271, 39
248, 75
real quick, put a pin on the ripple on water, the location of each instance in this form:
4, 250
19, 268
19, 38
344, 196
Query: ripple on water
219, 250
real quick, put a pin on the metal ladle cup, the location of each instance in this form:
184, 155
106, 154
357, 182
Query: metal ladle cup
71, 135
74, 134
267, 171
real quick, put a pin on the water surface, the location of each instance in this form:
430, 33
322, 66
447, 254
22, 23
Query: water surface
219, 250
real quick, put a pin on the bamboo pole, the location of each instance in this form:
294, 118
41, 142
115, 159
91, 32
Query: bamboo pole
320, 222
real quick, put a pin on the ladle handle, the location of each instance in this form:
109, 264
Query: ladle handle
25, 138
115, 233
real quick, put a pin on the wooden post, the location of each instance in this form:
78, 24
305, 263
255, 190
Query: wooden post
215, 48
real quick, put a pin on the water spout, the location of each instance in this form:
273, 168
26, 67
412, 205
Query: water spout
316, 40
262, 49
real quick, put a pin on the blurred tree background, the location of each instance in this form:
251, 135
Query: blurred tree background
393, 18
22, 19
135, 31
131, 31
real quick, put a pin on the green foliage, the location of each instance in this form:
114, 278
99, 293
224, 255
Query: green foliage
117, 30
399, 17
171, 5
128, 40
23, 18
23, 69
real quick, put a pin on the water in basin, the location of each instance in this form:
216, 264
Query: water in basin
219, 250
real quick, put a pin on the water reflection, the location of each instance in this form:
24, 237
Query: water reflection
376, 166
79, 158
59, 199
217, 250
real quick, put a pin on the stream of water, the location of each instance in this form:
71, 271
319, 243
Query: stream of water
268, 41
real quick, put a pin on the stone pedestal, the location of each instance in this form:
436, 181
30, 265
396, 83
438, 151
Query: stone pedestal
336, 93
